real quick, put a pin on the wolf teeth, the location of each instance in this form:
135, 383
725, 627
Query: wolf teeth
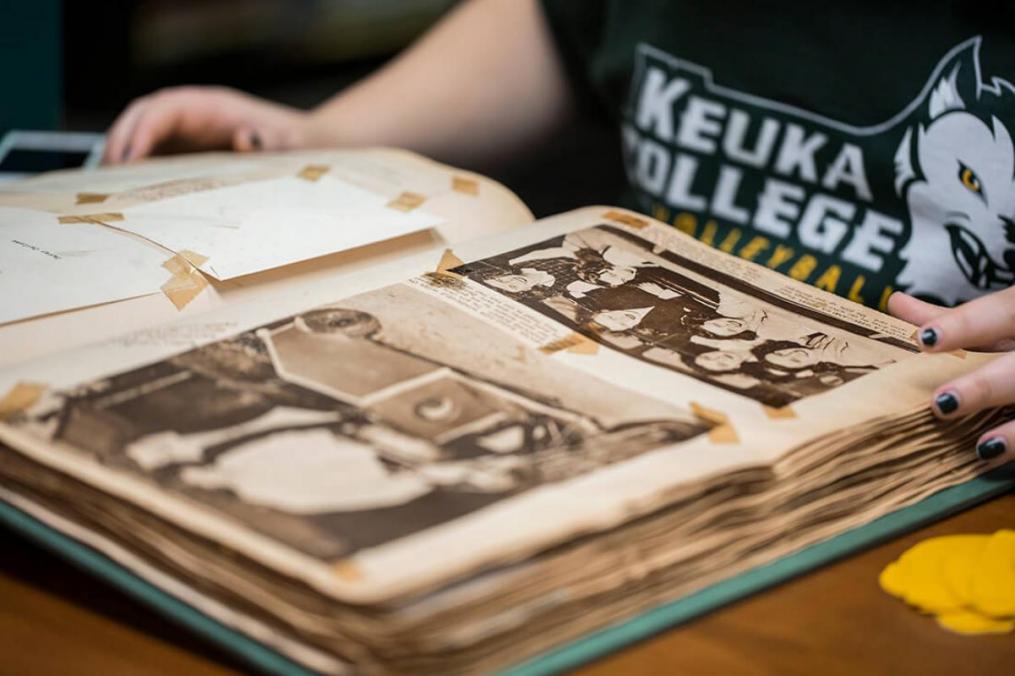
974, 261
968, 252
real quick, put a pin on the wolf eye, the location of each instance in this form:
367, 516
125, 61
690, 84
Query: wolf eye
969, 179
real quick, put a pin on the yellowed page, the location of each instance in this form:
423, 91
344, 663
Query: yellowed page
462, 205
492, 403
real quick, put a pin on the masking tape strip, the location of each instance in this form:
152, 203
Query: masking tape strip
781, 413
194, 258
467, 186
722, 431
448, 261
187, 281
21, 397
91, 198
723, 434
407, 201
97, 219
708, 414
626, 219
312, 172
348, 570
574, 342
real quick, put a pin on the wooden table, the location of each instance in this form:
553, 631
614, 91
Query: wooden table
56, 619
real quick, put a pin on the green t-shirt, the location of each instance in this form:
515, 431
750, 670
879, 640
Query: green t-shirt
862, 147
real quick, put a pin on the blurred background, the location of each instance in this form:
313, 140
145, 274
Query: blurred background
74, 65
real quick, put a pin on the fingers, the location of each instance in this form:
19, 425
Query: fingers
990, 385
247, 140
155, 123
986, 321
118, 136
275, 131
159, 119
997, 444
184, 119
913, 310
145, 123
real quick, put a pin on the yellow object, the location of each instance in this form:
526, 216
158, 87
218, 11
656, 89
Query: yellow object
958, 566
967, 581
992, 588
893, 580
971, 623
924, 565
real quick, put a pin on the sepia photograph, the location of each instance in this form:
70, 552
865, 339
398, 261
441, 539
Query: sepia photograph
667, 310
331, 433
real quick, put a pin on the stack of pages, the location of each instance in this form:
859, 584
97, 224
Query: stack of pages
547, 431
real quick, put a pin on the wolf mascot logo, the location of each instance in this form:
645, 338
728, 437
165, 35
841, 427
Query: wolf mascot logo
924, 201
956, 171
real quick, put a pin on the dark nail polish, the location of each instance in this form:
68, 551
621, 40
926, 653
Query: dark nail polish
928, 337
255, 140
991, 448
947, 402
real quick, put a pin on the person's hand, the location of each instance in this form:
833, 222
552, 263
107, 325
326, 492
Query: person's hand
987, 323
202, 118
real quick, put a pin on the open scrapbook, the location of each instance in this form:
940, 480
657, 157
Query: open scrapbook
456, 457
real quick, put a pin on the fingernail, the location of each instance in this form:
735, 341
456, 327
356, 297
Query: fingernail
928, 337
947, 402
126, 153
255, 140
991, 448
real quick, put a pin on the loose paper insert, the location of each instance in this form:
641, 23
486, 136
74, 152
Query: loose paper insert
260, 225
46, 266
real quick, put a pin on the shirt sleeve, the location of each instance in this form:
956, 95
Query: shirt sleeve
578, 28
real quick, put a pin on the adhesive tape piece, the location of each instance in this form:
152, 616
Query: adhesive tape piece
187, 281
21, 397
626, 219
447, 262
722, 431
723, 434
194, 258
574, 342
586, 346
348, 570
98, 219
312, 172
779, 413
467, 186
407, 201
91, 198
708, 414
183, 288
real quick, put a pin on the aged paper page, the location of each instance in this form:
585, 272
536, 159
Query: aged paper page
530, 393
47, 266
263, 224
464, 205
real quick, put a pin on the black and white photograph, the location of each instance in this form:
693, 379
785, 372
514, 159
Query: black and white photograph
667, 310
349, 426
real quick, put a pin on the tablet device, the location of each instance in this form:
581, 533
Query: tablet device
26, 153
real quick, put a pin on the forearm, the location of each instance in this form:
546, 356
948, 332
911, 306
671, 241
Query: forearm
483, 85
